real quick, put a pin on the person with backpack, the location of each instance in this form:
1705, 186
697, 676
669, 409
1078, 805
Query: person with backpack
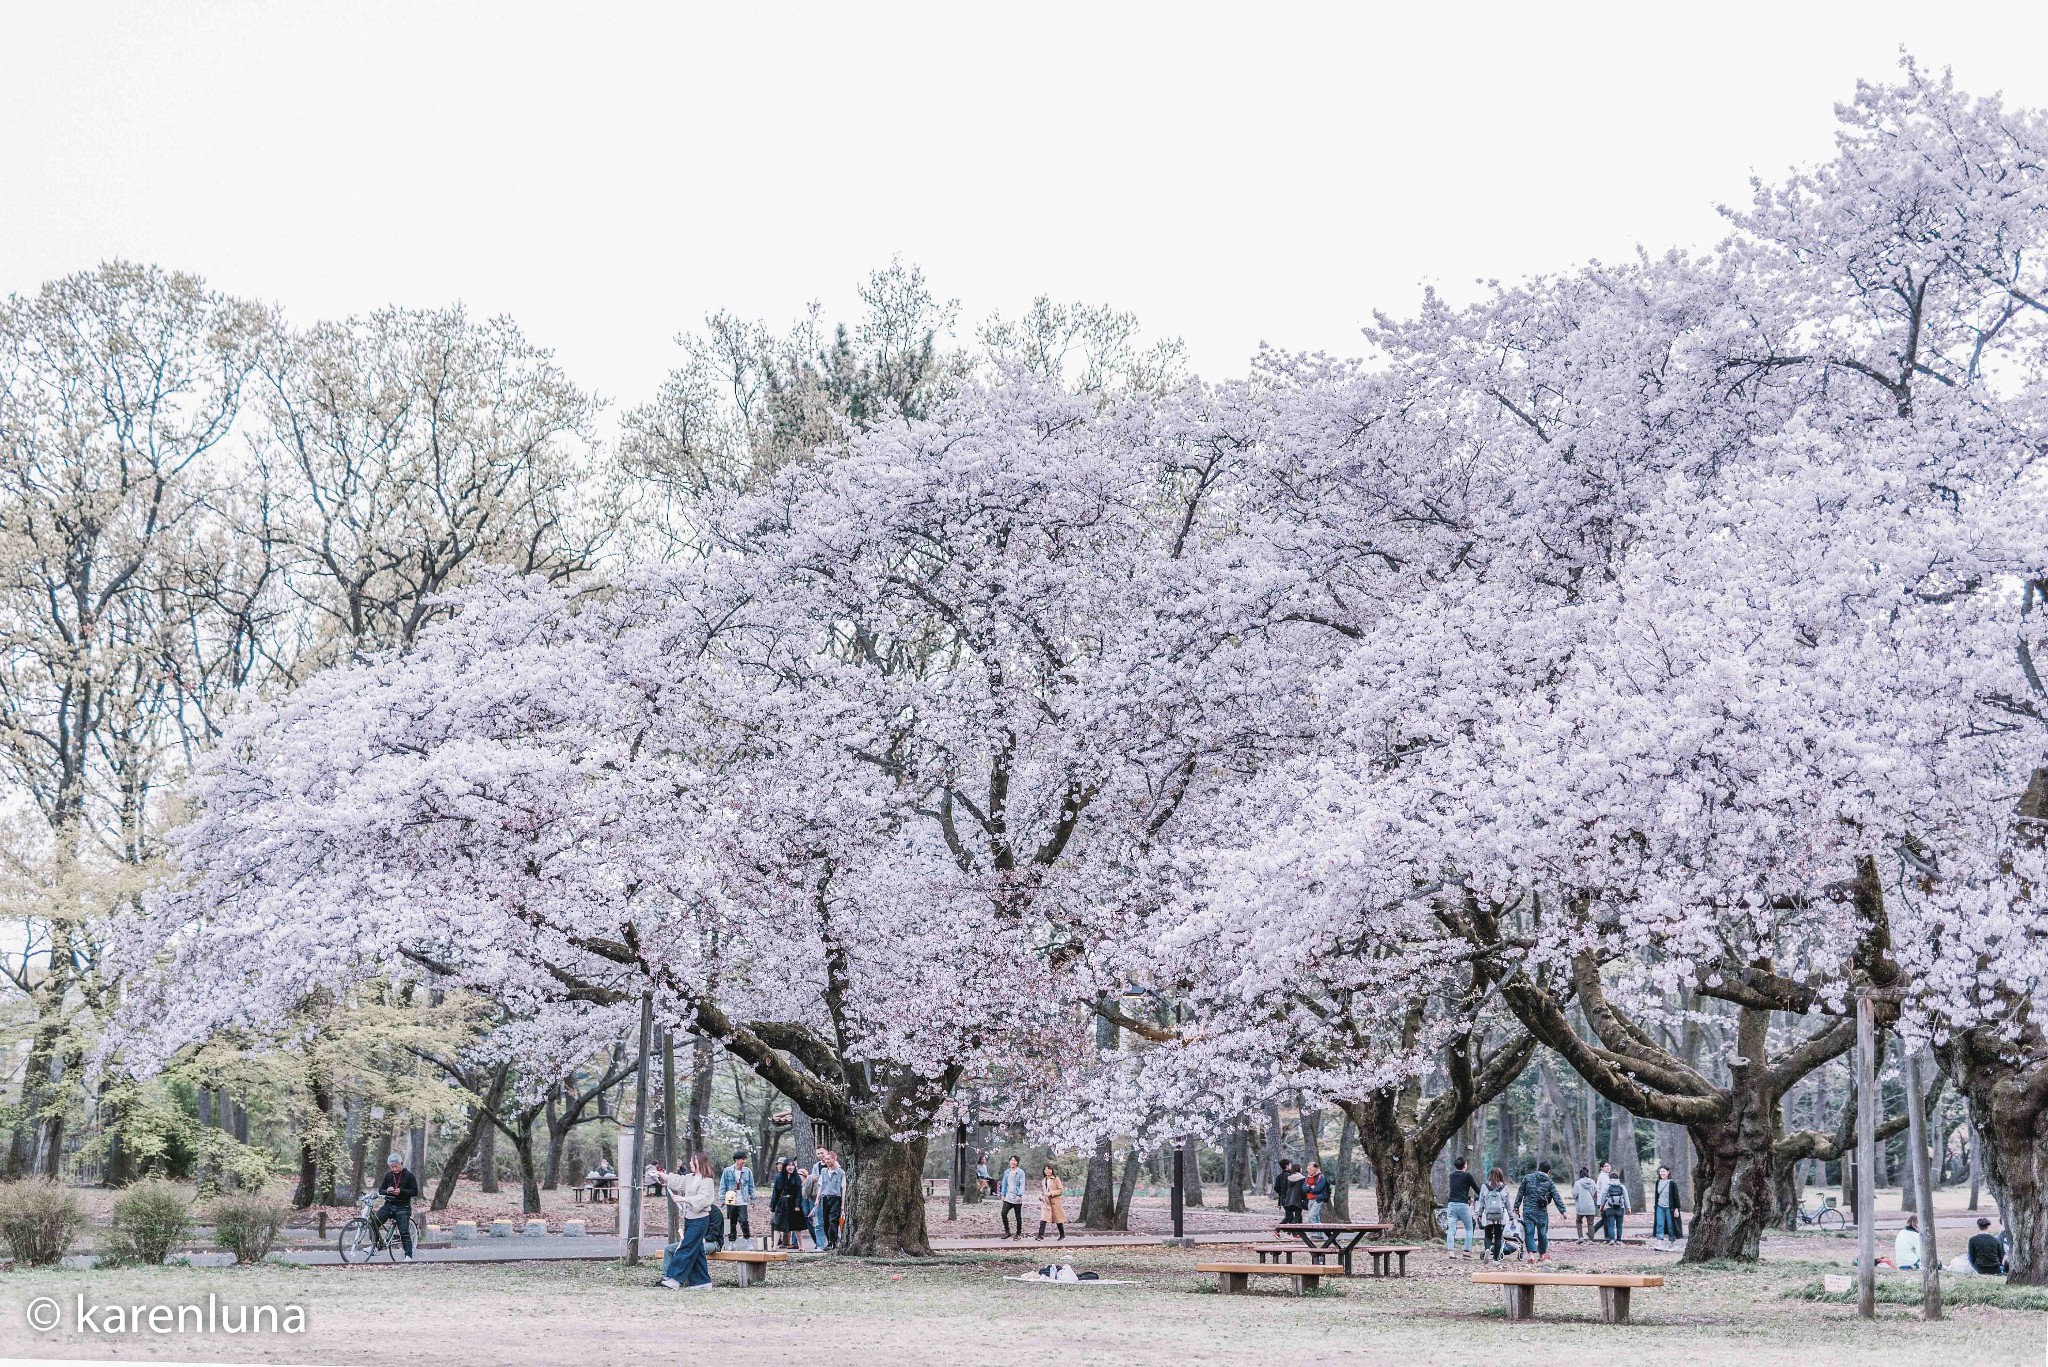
1463, 1193
1494, 1204
1668, 1229
1533, 1200
1613, 1202
1315, 1185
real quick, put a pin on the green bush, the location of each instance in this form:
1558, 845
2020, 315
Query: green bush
38, 1220
151, 1218
248, 1226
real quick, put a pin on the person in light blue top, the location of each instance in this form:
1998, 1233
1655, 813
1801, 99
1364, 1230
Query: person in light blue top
1011, 1189
736, 1194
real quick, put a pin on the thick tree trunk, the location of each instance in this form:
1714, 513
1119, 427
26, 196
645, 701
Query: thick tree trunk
1735, 1180
1237, 1156
1402, 1186
2007, 1088
1340, 1189
1191, 1172
458, 1157
889, 1199
487, 1160
1098, 1191
1126, 1189
529, 1173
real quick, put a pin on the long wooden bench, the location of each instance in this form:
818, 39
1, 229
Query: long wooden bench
752, 1263
1384, 1258
1233, 1278
1284, 1253
1614, 1289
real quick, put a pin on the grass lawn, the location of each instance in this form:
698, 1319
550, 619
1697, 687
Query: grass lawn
959, 1310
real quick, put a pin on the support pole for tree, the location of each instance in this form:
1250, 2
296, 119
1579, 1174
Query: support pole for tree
1923, 1188
668, 1125
629, 1173
959, 1170
1866, 1157
1180, 1150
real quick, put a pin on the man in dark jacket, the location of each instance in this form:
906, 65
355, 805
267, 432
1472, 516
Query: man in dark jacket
1986, 1250
399, 1187
1290, 1190
1533, 1201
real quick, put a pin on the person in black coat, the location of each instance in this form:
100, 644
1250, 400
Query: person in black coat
398, 1189
786, 1202
1290, 1189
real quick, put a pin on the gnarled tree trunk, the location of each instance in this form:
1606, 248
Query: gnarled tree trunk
2006, 1085
889, 1199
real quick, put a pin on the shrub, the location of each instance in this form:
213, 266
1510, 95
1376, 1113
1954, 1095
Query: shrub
151, 1218
248, 1226
38, 1220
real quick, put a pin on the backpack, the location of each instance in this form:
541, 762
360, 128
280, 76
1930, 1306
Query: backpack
1493, 1205
1616, 1195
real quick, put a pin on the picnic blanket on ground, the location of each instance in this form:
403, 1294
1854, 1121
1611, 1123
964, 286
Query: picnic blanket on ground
1064, 1275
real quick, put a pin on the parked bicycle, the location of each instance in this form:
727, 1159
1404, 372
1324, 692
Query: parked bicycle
364, 1236
1827, 1215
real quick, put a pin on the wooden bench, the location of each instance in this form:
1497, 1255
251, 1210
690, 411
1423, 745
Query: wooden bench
1384, 1254
1521, 1290
752, 1262
1233, 1278
1284, 1253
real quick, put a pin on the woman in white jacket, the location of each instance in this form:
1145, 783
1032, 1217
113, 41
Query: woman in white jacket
695, 1193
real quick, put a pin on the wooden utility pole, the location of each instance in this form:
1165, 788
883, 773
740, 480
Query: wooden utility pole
1866, 1157
631, 1186
1923, 1186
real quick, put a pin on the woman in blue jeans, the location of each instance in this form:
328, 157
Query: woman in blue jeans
696, 1196
1666, 1208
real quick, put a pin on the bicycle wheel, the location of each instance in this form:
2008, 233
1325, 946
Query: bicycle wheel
1831, 1218
394, 1243
358, 1241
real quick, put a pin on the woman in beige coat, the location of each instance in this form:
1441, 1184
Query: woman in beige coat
1052, 1202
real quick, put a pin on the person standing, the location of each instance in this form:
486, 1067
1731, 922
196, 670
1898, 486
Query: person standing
1052, 1202
1665, 1223
695, 1193
1289, 1189
1613, 1202
814, 1205
831, 1194
1586, 1205
1464, 1190
1315, 1185
1533, 1199
1494, 1203
1011, 1188
398, 1189
981, 1182
786, 1203
736, 1193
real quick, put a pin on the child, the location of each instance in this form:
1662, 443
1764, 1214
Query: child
1494, 1205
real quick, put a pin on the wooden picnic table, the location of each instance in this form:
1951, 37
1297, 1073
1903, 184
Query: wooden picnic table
1340, 1239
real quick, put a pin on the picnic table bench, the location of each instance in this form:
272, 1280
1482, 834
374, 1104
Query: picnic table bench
1284, 1253
752, 1263
1340, 1239
1614, 1289
1384, 1258
1234, 1278
602, 1189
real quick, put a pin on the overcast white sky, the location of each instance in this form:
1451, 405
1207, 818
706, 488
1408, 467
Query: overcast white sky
607, 174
